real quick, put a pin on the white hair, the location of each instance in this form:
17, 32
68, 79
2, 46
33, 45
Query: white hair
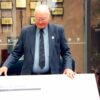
42, 8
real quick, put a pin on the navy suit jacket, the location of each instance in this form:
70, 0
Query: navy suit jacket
58, 49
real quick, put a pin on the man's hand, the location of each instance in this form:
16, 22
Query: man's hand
3, 70
70, 73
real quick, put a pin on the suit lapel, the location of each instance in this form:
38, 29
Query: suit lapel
32, 39
51, 40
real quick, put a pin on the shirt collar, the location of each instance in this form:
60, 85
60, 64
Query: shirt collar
45, 30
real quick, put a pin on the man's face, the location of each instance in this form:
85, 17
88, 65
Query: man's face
42, 19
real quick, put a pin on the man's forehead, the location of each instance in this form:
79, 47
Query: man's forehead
41, 14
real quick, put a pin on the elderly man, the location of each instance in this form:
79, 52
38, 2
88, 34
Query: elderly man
43, 46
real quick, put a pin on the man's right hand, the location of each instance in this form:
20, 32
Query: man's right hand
3, 70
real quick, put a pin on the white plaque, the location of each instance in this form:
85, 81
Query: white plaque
49, 87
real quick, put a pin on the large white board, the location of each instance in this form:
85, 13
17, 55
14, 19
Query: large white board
49, 87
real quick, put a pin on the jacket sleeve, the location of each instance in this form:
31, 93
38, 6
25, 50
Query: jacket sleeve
16, 53
65, 50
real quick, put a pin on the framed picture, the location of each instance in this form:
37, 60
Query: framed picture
58, 1
33, 5
6, 5
32, 20
57, 11
6, 21
20, 3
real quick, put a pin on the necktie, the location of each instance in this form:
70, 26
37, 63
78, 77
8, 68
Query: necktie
41, 50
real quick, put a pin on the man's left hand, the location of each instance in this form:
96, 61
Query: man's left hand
69, 72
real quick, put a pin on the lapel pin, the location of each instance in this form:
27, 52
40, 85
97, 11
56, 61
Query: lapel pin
53, 37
